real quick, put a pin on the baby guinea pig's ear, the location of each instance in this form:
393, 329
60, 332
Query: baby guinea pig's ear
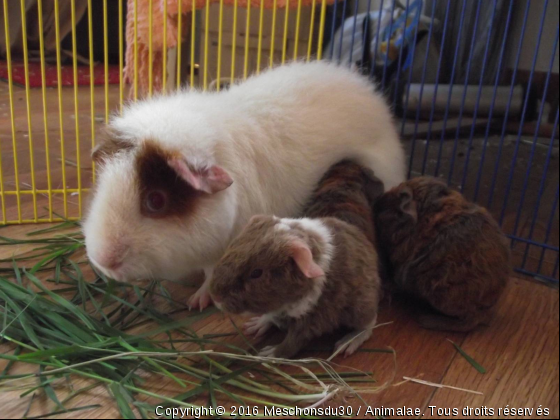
407, 203
109, 144
209, 180
303, 258
258, 218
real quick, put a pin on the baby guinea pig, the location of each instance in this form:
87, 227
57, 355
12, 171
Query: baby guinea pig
307, 276
443, 250
347, 192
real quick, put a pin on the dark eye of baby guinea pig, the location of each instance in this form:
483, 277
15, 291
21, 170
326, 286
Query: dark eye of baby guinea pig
258, 273
444, 250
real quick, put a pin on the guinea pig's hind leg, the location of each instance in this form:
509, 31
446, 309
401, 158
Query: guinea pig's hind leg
296, 339
268, 351
354, 340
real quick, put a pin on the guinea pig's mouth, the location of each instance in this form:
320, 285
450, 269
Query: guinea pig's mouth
225, 306
118, 273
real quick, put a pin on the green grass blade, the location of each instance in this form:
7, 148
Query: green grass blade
63, 225
62, 302
28, 409
383, 351
214, 336
17, 273
121, 396
6, 370
47, 354
80, 391
178, 324
203, 387
71, 410
153, 363
54, 256
57, 272
49, 391
469, 359
211, 396
98, 308
22, 317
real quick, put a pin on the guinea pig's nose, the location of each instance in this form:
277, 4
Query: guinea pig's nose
113, 265
110, 263
111, 260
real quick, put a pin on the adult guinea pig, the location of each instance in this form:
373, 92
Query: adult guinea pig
444, 250
180, 175
308, 276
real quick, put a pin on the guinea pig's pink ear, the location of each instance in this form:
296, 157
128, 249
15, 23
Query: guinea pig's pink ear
408, 205
210, 180
303, 257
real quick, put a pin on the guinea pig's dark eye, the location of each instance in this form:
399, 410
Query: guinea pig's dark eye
155, 201
255, 274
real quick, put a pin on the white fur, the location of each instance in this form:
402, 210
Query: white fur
258, 326
275, 134
353, 341
282, 226
306, 304
322, 231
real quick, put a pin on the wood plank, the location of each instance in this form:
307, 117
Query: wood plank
520, 352
419, 353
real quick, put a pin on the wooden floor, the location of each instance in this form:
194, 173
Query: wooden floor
520, 349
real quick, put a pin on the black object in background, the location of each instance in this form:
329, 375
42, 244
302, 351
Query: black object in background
82, 32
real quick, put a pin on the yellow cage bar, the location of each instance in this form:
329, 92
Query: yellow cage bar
109, 52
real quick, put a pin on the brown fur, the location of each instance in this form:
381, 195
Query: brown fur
346, 192
156, 175
350, 294
444, 250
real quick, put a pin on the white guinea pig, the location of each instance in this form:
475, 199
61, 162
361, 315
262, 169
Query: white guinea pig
180, 175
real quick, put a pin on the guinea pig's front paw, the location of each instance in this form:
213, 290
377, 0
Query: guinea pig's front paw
258, 326
268, 351
201, 299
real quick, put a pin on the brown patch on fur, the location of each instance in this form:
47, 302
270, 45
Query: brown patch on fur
109, 145
453, 255
350, 294
347, 192
155, 174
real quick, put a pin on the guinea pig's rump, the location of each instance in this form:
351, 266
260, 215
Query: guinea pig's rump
346, 192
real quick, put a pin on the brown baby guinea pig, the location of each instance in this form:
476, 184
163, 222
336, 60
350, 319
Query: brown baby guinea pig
444, 250
347, 192
307, 276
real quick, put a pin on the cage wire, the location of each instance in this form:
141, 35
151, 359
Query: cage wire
473, 85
